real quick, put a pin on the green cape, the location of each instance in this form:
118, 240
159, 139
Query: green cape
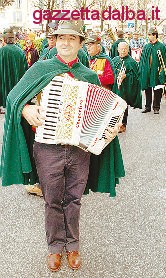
44, 45
151, 76
17, 165
13, 65
45, 54
130, 89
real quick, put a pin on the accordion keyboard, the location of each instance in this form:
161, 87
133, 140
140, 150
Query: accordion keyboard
77, 113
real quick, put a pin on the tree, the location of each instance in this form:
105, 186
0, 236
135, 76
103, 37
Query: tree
135, 5
48, 5
5, 3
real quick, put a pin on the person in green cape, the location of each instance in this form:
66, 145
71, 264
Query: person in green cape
127, 80
51, 39
62, 169
152, 70
100, 177
99, 61
114, 47
13, 65
48, 53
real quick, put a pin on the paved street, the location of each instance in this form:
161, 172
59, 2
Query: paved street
121, 237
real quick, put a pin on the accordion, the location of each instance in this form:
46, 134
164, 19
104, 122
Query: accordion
77, 113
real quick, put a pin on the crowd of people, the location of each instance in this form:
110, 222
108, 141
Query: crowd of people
63, 173
109, 47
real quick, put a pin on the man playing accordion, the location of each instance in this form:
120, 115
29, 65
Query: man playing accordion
62, 169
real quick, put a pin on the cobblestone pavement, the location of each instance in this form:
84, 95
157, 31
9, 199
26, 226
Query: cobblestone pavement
121, 237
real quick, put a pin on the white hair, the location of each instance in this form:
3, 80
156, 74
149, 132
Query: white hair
123, 43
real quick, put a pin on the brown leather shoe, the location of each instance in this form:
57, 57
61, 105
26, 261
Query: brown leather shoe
74, 259
54, 262
34, 190
122, 129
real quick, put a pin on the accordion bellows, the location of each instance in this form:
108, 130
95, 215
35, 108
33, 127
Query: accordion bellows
77, 113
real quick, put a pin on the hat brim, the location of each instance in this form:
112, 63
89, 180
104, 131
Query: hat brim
50, 36
9, 34
68, 32
150, 33
93, 41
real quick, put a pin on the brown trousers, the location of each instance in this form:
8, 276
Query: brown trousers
63, 173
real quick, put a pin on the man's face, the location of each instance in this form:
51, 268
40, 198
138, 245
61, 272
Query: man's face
68, 46
135, 36
51, 41
123, 50
151, 37
93, 48
127, 35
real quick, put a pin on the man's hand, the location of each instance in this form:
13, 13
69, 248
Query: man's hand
32, 113
111, 133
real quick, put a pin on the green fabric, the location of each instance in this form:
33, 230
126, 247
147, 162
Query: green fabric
45, 53
130, 89
13, 65
16, 160
103, 49
53, 52
151, 76
85, 49
81, 55
44, 45
106, 169
19, 45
